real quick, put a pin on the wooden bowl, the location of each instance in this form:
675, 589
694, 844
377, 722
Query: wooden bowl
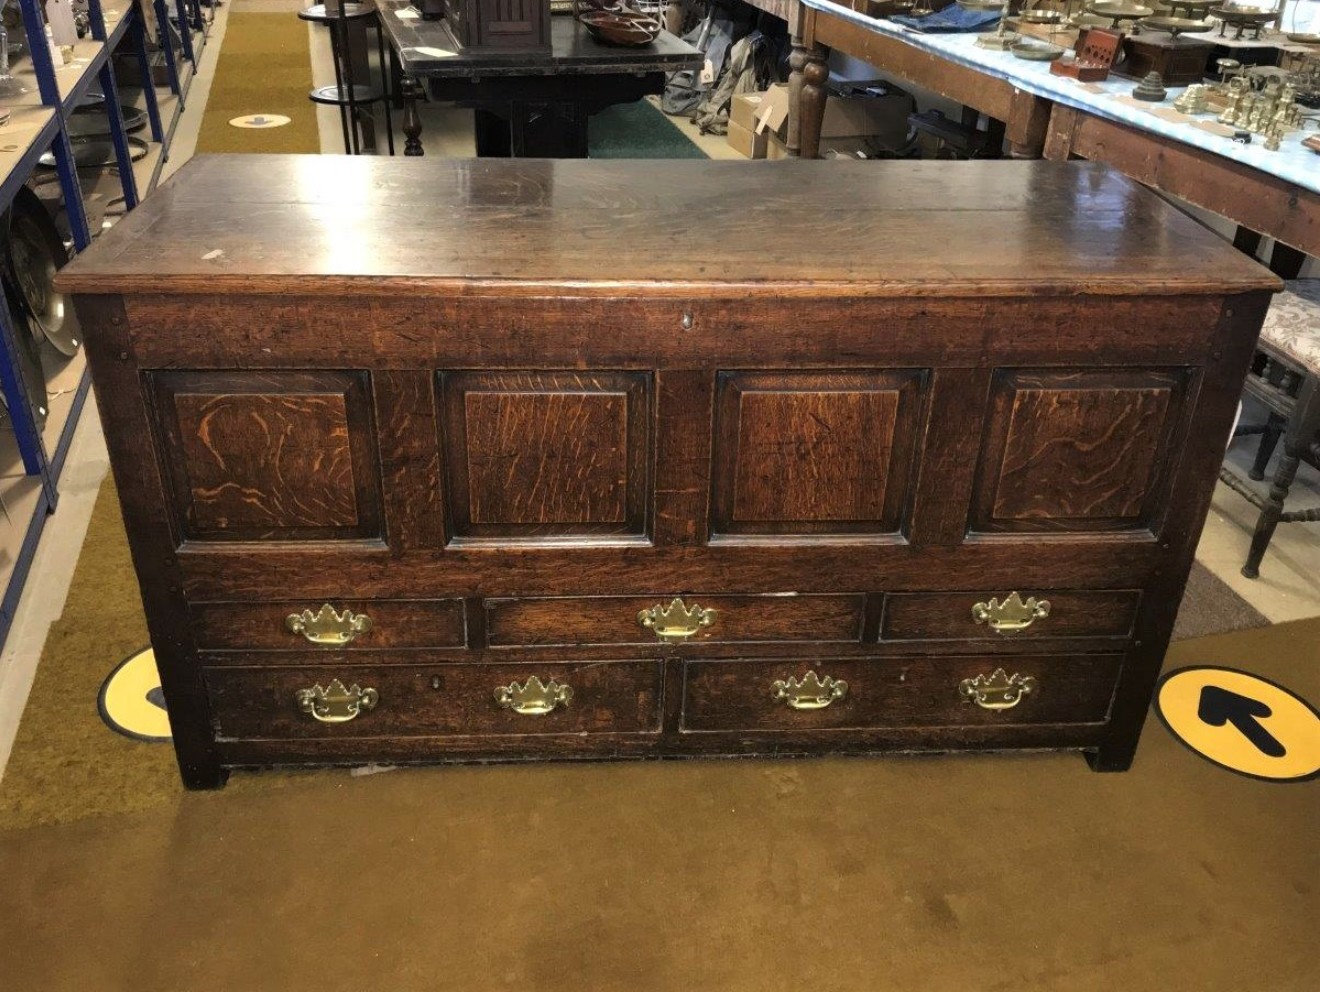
614, 27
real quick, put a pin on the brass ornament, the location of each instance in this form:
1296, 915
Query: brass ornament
336, 703
997, 691
1013, 615
534, 698
327, 627
676, 622
809, 692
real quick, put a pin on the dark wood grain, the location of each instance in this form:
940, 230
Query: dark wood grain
948, 615
896, 692
503, 227
1079, 450
609, 698
728, 331
547, 454
269, 455
398, 623
409, 458
812, 453
560, 413
613, 620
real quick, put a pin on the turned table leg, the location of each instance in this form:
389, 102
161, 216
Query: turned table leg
412, 121
811, 102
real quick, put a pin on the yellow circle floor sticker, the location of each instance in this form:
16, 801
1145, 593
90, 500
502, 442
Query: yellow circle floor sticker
131, 700
1241, 722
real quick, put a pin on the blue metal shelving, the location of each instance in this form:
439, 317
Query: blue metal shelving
60, 93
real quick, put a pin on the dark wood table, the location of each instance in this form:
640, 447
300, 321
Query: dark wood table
532, 105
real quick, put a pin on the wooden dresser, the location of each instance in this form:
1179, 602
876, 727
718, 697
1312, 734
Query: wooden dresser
471, 460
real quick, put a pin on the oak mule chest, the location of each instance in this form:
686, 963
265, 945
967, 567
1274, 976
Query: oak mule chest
457, 460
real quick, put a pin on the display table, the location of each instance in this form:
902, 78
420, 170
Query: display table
533, 105
480, 459
1274, 193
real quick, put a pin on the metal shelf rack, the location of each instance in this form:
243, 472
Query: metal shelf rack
32, 455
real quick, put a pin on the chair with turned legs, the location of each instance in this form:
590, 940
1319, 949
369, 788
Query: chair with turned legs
1285, 379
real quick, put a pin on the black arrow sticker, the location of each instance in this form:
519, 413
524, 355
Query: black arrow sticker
1220, 706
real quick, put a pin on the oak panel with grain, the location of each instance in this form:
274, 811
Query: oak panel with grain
270, 455
547, 454
814, 453
1079, 450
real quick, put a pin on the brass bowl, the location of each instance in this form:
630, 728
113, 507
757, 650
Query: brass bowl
1040, 16
1118, 10
1037, 51
1175, 26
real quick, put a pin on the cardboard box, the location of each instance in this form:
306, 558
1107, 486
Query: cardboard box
747, 143
862, 116
775, 147
743, 108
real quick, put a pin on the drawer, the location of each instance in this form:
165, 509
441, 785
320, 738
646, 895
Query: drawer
390, 623
952, 616
615, 619
894, 692
422, 700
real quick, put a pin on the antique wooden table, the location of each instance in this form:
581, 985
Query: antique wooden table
531, 105
477, 459
1261, 202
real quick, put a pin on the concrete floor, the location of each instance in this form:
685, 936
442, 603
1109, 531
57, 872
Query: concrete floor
1288, 587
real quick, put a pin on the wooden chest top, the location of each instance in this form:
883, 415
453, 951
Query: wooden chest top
339, 225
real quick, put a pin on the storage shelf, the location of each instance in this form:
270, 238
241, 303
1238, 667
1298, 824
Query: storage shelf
33, 127
75, 78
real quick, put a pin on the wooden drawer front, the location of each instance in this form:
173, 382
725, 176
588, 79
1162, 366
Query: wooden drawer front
395, 623
948, 616
428, 700
895, 692
614, 619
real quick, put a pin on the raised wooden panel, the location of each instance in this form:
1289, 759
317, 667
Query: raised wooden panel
547, 455
1078, 451
269, 455
814, 453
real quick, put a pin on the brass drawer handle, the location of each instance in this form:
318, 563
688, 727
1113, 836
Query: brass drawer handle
535, 698
808, 692
327, 627
675, 623
997, 691
337, 703
1012, 615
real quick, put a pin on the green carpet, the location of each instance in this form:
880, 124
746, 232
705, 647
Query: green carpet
638, 130
265, 67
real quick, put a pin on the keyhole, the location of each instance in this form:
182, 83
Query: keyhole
435, 681
687, 321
